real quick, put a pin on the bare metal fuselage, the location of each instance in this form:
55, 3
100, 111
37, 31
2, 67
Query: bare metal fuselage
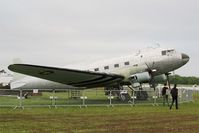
159, 60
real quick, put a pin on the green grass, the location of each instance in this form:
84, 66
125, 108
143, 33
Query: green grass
118, 119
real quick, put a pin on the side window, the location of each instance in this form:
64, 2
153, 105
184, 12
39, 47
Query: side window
116, 65
170, 52
96, 69
106, 67
164, 52
126, 63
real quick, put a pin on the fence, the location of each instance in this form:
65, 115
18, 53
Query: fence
84, 98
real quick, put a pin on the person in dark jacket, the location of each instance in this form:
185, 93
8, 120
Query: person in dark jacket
165, 95
174, 94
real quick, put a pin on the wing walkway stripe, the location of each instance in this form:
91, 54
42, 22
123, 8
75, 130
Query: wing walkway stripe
87, 81
110, 79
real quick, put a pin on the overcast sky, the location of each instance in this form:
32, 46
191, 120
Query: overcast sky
61, 32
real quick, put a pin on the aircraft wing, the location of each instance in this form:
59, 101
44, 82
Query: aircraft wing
77, 78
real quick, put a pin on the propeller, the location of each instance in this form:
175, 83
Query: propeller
150, 68
151, 72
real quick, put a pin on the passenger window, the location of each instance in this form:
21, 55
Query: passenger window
106, 67
96, 69
164, 52
126, 63
116, 65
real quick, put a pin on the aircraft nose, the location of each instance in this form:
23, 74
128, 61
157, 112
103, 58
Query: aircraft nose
185, 58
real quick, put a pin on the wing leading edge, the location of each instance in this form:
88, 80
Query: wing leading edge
77, 78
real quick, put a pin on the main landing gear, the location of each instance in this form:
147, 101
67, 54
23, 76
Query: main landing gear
124, 95
118, 92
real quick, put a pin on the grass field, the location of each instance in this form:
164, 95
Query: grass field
119, 119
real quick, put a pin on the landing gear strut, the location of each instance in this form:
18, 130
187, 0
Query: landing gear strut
140, 94
119, 92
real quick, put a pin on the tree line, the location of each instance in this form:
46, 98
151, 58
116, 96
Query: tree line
177, 79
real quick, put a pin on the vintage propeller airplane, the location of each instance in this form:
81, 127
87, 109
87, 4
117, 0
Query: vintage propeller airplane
145, 66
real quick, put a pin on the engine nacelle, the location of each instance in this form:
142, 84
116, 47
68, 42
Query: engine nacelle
145, 77
140, 77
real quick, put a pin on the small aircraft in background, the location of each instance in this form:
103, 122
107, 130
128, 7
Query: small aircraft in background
145, 66
5, 79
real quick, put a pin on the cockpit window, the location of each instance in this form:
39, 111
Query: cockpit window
166, 52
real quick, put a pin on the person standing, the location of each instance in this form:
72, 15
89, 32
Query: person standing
165, 95
174, 94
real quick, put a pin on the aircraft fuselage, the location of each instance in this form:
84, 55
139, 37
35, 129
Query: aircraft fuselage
138, 67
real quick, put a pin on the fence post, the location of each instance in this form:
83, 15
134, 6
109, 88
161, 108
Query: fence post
110, 98
20, 102
155, 99
83, 97
133, 98
53, 100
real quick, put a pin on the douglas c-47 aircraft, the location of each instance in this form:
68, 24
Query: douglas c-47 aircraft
145, 66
